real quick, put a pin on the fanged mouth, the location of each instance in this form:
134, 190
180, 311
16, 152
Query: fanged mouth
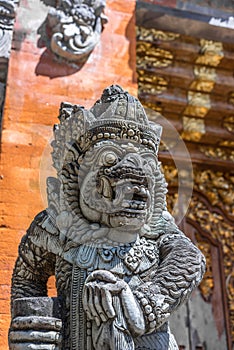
131, 174
130, 214
127, 191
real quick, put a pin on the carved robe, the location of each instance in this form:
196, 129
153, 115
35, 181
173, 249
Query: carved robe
172, 263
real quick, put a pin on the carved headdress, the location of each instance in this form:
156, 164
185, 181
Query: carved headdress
117, 115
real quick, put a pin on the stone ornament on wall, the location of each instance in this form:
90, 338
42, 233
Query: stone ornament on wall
121, 264
7, 19
72, 28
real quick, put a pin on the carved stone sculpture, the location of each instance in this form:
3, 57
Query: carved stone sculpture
7, 19
73, 28
121, 264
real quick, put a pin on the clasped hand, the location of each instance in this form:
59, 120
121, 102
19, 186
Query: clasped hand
99, 289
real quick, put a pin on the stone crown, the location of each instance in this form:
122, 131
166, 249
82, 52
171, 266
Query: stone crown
115, 116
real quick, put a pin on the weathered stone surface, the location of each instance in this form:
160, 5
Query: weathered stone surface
72, 29
121, 264
43, 306
30, 111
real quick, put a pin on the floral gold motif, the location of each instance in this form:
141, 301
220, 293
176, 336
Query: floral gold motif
194, 128
153, 35
217, 152
148, 55
228, 123
218, 188
205, 79
231, 98
211, 53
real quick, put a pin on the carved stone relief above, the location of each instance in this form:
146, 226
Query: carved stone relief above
73, 28
7, 18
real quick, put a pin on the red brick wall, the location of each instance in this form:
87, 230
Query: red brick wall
31, 108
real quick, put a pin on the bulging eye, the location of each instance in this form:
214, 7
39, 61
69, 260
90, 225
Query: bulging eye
109, 159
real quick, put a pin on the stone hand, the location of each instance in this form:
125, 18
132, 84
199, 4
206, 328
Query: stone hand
35, 332
99, 288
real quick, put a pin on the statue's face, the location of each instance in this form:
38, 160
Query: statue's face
117, 184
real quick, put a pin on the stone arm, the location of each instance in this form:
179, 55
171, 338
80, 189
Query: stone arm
180, 270
35, 264
33, 267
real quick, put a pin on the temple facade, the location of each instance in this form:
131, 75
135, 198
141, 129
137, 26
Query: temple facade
177, 57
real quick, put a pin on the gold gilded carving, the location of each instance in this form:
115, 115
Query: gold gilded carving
153, 35
199, 99
171, 175
211, 53
205, 73
153, 106
222, 231
226, 143
218, 187
172, 199
149, 56
153, 89
205, 79
193, 129
168, 145
217, 152
198, 104
207, 285
231, 98
202, 85
228, 123
150, 83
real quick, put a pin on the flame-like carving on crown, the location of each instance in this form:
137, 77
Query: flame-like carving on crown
116, 116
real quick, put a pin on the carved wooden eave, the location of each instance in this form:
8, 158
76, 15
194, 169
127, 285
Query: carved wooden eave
185, 60
185, 72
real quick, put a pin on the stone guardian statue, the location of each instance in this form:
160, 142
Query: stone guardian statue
121, 264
